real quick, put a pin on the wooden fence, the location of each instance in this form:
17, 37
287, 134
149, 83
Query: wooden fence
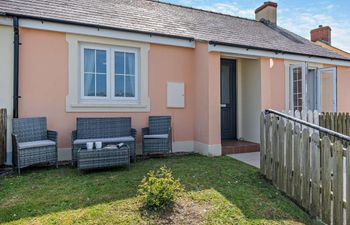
339, 122
308, 169
3, 129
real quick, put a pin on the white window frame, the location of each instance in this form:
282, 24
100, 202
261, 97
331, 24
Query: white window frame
109, 98
289, 84
137, 55
74, 103
94, 47
290, 105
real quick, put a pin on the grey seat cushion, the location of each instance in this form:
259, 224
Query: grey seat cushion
156, 136
104, 140
35, 144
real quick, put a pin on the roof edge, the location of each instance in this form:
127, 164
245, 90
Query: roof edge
274, 50
68, 22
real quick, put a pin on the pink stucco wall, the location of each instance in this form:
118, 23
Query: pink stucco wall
207, 95
272, 83
44, 85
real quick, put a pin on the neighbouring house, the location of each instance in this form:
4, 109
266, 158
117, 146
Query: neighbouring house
323, 36
213, 73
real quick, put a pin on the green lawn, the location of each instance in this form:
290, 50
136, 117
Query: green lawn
234, 192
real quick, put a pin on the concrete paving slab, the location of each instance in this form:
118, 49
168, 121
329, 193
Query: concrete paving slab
252, 158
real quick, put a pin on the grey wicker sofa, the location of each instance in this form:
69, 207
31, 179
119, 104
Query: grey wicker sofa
157, 137
109, 130
33, 143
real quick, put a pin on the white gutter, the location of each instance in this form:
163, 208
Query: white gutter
99, 32
270, 54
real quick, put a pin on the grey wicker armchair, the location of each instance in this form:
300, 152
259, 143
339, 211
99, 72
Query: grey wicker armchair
109, 130
33, 143
157, 138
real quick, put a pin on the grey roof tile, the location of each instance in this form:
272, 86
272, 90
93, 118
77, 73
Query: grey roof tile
168, 19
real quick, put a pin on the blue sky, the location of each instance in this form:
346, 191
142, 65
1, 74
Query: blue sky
295, 15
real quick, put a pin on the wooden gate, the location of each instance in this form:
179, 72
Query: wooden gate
310, 170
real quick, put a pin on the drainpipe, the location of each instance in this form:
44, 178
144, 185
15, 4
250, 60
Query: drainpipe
15, 66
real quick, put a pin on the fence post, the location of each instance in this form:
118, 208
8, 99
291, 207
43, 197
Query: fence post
326, 171
281, 147
274, 148
306, 169
347, 155
296, 174
3, 135
315, 177
268, 146
338, 184
262, 144
289, 157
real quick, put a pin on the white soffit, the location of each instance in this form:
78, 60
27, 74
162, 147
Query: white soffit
262, 53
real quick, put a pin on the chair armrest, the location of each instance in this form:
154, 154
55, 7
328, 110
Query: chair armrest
170, 133
145, 131
14, 138
73, 136
133, 132
52, 135
14, 149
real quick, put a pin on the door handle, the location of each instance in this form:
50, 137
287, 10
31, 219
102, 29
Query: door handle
223, 105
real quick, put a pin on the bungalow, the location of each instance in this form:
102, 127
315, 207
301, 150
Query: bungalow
213, 73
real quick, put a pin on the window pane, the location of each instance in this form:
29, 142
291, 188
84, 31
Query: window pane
311, 89
89, 85
225, 84
89, 60
101, 63
130, 86
119, 62
297, 88
130, 63
119, 86
101, 85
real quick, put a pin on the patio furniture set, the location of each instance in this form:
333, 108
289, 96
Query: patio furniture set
34, 144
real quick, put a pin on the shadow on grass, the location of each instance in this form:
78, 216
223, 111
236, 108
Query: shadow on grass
43, 191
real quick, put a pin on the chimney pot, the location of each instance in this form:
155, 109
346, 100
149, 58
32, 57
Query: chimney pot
322, 33
267, 12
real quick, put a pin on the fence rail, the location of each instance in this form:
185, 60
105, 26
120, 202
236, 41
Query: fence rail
310, 169
3, 130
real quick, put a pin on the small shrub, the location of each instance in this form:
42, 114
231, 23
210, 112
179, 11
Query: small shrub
159, 189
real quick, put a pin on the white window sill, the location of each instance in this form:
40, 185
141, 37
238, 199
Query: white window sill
108, 107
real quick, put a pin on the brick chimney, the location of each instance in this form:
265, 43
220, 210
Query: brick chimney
321, 34
267, 12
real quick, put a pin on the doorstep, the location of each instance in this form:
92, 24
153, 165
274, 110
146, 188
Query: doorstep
233, 147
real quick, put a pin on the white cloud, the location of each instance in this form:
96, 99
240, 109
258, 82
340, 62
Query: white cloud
303, 23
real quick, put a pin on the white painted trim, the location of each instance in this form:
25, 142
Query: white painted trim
7, 21
64, 154
289, 65
271, 54
99, 32
183, 146
206, 149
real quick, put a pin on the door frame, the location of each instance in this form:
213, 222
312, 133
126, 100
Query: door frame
233, 96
